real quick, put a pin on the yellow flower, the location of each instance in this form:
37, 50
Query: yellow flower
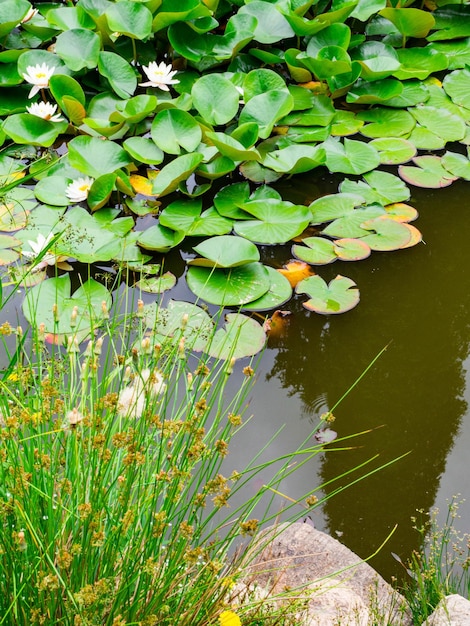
229, 618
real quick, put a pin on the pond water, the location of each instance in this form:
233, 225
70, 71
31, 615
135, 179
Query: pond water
413, 400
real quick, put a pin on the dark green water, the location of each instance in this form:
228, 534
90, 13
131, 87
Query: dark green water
415, 398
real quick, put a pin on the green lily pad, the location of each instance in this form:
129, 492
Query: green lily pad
295, 159
118, 72
143, 150
457, 164
55, 294
78, 48
320, 114
216, 99
333, 206
276, 221
379, 91
95, 157
456, 85
440, 122
13, 216
267, 109
419, 63
316, 251
345, 123
178, 170
271, 25
230, 198
229, 287
225, 251
257, 173
401, 212
429, 173
388, 234
394, 150
381, 187
377, 59
156, 284
180, 319
158, 238
352, 157
132, 19
24, 128
410, 22
386, 123
339, 296
241, 337
414, 92
186, 216
173, 129
279, 292
457, 52
232, 148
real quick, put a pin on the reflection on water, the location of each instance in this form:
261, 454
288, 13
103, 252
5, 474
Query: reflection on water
417, 300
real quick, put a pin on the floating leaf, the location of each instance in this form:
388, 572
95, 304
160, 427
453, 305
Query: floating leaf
216, 99
51, 303
158, 238
276, 221
95, 157
352, 157
156, 284
187, 216
24, 128
279, 292
316, 251
295, 159
352, 249
394, 150
388, 234
180, 319
410, 22
429, 173
229, 199
457, 85
175, 172
229, 287
241, 337
121, 76
78, 48
266, 109
173, 129
401, 212
364, 92
225, 251
12, 216
339, 296
457, 164
386, 123
271, 25
419, 63
381, 187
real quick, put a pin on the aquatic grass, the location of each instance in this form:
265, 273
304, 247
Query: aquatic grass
117, 499
441, 566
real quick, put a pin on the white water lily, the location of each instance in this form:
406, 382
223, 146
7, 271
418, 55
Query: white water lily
46, 110
159, 75
39, 76
134, 398
78, 190
37, 247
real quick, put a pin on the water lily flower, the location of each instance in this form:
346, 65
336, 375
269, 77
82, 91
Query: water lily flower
133, 398
37, 247
46, 110
159, 76
29, 15
39, 76
78, 190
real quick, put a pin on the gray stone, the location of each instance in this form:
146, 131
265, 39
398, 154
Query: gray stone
342, 588
453, 610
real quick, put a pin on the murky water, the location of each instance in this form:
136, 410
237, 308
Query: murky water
413, 400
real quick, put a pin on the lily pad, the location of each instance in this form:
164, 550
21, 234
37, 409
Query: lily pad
229, 287
279, 292
241, 337
394, 150
156, 284
457, 164
51, 303
339, 296
388, 234
276, 221
352, 157
316, 251
225, 251
187, 217
229, 199
429, 173
386, 123
377, 186
352, 249
158, 238
180, 319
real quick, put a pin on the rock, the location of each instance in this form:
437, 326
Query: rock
343, 589
453, 610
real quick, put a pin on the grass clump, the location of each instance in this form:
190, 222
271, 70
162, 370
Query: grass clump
115, 490
441, 567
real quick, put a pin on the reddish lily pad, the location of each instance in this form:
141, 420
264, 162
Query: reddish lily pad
429, 173
401, 212
352, 249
